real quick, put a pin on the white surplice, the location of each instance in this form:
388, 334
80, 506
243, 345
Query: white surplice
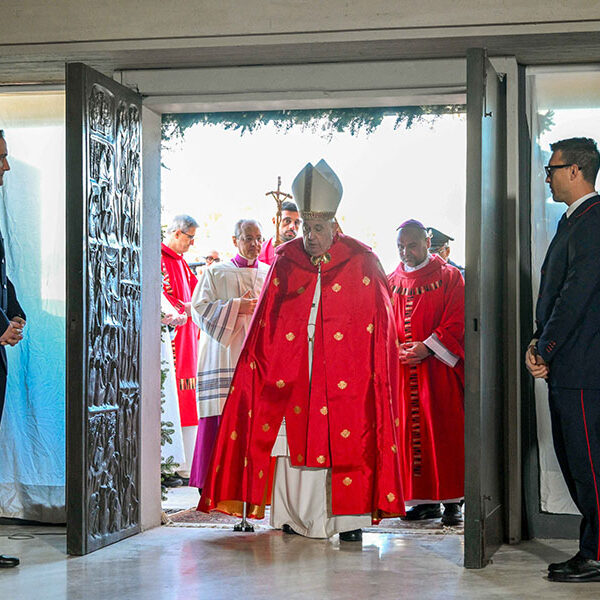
170, 406
302, 495
215, 309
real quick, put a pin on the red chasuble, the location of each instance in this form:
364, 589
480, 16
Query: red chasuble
178, 286
431, 301
347, 418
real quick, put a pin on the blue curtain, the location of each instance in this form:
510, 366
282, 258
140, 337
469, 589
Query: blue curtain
32, 217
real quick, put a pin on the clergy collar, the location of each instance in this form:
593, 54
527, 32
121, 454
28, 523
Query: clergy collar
170, 252
573, 207
242, 263
423, 264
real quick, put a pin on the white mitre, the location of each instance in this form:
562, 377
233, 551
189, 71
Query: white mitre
317, 191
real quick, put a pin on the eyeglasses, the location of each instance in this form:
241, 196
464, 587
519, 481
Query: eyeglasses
210, 259
188, 235
550, 168
248, 239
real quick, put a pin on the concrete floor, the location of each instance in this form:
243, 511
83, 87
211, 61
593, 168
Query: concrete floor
185, 563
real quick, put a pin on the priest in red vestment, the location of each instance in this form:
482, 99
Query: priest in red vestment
315, 386
178, 286
288, 230
428, 299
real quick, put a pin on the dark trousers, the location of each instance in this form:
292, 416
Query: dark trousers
576, 434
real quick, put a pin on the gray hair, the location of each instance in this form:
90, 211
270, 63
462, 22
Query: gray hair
237, 230
183, 223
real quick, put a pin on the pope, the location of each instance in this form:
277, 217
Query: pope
315, 387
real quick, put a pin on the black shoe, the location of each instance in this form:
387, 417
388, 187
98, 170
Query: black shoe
351, 536
172, 481
423, 511
575, 570
452, 514
287, 529
561, 565
7, 562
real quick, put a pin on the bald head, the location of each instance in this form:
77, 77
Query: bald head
413, 245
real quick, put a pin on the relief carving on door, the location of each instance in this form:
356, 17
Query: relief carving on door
113, 312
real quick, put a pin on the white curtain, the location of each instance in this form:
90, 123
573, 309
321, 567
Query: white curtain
573, 97
32, 220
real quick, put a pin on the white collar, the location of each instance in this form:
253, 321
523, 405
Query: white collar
423, 264
579, 202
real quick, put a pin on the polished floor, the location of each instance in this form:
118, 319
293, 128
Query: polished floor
178, 563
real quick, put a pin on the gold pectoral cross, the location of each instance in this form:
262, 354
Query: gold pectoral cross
317, 260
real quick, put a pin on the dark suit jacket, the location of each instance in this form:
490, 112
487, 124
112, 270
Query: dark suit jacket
9, 306
461, 269
568, 307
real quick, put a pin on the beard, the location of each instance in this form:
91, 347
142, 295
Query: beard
288, 235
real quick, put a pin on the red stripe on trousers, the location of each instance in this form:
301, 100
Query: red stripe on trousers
587, 438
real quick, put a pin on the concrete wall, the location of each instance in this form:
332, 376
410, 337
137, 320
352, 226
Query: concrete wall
325, 85
150, 351
40, 21
38, 36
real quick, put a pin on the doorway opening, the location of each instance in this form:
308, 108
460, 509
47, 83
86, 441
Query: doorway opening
395, 164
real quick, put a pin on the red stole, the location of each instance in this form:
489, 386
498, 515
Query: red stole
267, 252
431, 300
178, 286
347, 418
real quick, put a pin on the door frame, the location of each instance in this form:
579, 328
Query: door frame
201, 96
254, 88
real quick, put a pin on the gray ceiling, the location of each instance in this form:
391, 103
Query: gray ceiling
46, 64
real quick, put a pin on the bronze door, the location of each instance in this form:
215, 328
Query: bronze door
103, 309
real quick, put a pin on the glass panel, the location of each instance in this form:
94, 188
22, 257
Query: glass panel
561, 105
32, 217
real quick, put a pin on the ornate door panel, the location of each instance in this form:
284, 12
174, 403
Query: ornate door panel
103, 309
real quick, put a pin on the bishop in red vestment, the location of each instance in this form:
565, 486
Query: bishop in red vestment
428, 299
322, 354
178, 286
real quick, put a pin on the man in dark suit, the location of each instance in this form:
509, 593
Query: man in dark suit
12, 318
565, 349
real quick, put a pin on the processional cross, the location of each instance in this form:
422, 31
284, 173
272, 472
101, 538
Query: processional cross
279, 197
